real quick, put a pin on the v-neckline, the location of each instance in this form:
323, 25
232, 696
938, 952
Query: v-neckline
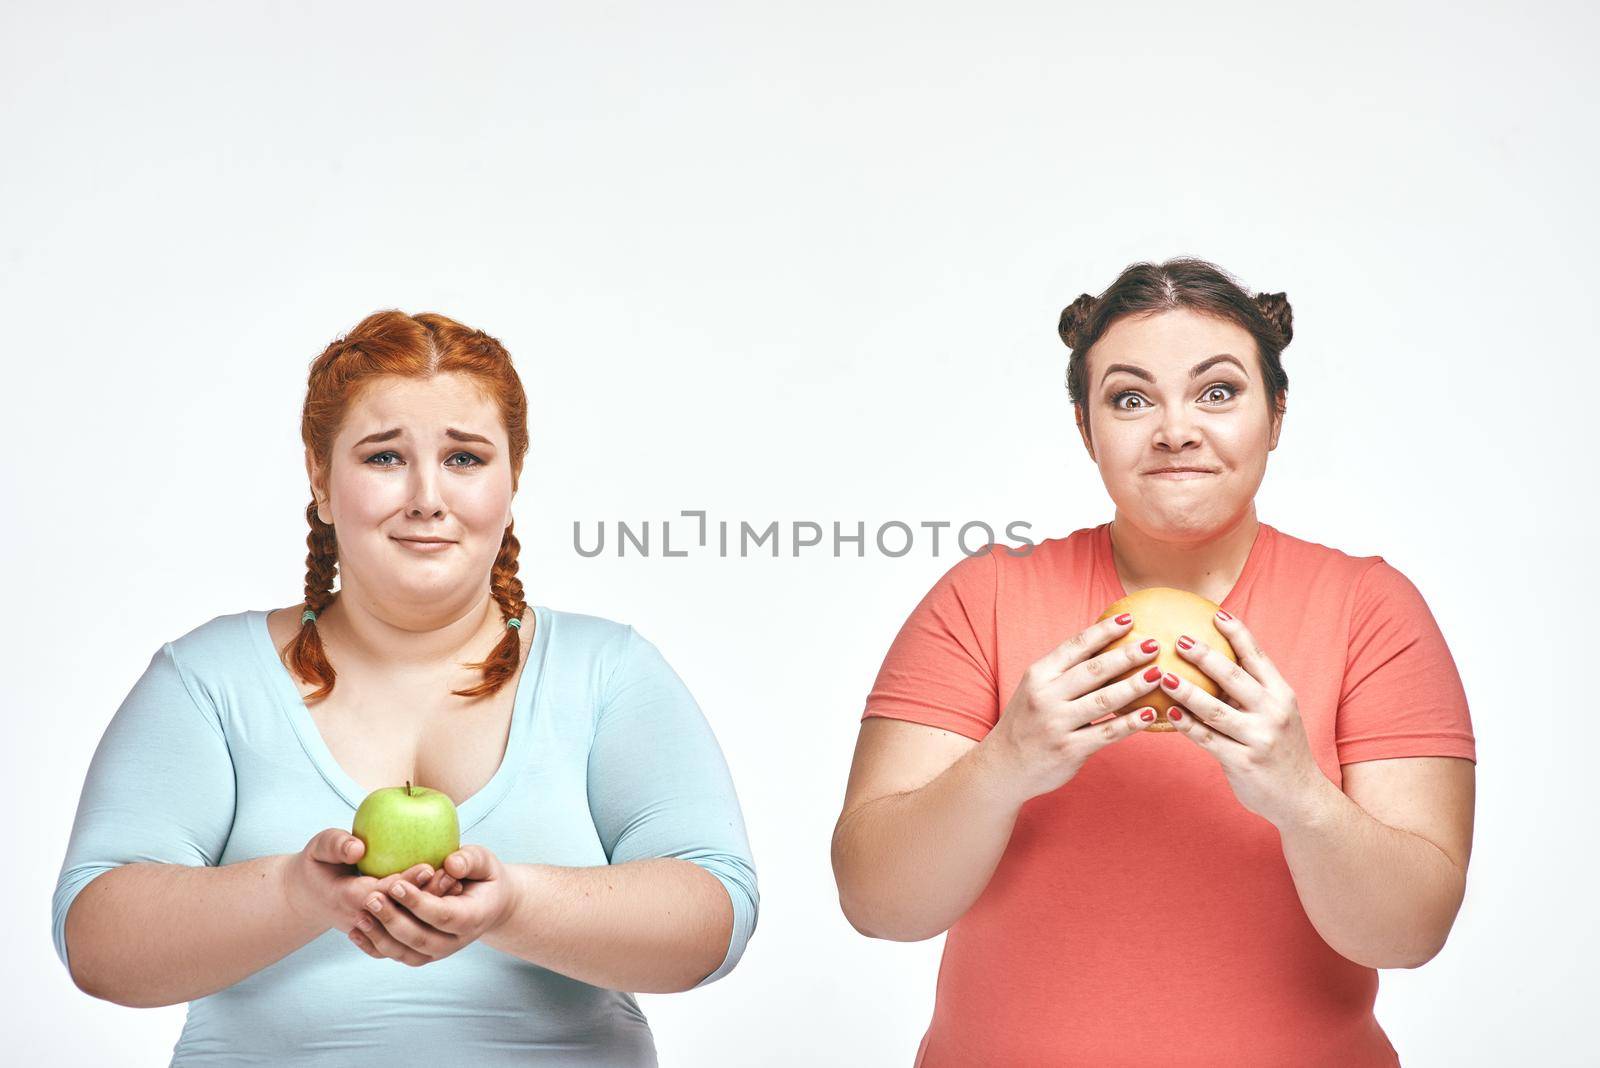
1259, 548
475, 807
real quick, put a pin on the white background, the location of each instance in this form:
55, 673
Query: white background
804, 263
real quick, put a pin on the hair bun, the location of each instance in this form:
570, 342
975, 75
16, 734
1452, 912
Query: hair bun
1275, 306
1073, 317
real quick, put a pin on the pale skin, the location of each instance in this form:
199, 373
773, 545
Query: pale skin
1379, 866
403, 623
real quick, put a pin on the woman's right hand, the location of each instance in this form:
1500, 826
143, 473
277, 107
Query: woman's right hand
322, 886
1043, 736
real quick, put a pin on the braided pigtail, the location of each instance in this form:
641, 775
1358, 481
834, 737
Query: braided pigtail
306, 654
506, 589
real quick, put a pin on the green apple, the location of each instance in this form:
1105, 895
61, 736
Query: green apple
405, 825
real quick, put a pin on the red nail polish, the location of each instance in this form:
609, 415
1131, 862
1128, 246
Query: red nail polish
1148, 715
1177, 714
1170, 682
1150, 645
1152, 674
1184, 641
1223, 615
1124, 619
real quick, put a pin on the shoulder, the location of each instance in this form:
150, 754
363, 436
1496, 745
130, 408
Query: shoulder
1072, 553
1373, 592
219, 644
582, 631
1304, 564
594, 645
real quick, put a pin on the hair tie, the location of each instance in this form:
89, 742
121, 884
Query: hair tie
514, 623
307, 616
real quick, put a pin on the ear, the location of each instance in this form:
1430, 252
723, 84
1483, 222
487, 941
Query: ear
1083, 430
313, 476
1277, 423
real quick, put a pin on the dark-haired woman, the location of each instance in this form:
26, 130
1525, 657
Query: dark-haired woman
1222, 894
604, 850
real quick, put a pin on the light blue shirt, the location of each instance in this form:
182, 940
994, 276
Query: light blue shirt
213, 758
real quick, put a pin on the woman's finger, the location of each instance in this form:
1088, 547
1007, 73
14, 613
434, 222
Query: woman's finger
1227, 751
1099, 735
406, 929
432, 910
387, 945
1233, 679
1237, 726
1249, 652
1113, 698
360, 941
1101, 670
1080, 646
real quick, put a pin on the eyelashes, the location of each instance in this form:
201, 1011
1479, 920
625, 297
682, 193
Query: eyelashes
476, 462
1116, 398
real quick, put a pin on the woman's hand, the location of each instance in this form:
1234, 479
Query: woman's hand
416, 926
321, 884
1257, 736
1046, 732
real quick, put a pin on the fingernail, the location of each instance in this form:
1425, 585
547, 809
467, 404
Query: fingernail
1184, 641
399, 889
1150, 645
376, 904
1170, 682
1124, 619
1152, 674
364, 923
1148, 715
349, 848
1175, 714
1223, 615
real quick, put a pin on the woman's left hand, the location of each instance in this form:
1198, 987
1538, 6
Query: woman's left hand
417, 926
1257, 736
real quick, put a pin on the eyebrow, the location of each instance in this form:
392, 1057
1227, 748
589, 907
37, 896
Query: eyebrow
450, 432
1194, 372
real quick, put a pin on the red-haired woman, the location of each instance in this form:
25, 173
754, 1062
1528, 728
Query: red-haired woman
604, 847
1221, 894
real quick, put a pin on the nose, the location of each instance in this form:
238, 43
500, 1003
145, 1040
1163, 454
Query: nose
1176, 431
425, 497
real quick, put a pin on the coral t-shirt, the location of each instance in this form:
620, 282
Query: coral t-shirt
1140, 915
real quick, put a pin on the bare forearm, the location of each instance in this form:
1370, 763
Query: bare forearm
908, 865
646, 926
146, 935
1381, 897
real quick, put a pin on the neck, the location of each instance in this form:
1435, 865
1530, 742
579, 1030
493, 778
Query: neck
398, 642
1204, 566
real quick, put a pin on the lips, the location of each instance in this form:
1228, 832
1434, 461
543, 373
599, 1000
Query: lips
1180, 474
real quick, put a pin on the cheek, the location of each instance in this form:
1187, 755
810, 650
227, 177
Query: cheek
481, 507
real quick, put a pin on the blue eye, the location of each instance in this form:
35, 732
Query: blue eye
1233, 391
389, 452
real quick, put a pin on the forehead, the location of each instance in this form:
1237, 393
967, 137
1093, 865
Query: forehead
1168, 343
423, 405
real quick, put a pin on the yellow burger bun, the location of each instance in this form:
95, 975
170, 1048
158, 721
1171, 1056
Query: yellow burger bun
1163, 613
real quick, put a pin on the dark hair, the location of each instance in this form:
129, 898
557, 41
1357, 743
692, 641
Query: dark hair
1185, 282
394, 344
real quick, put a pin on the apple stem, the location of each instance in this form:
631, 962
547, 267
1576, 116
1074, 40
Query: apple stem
408, 787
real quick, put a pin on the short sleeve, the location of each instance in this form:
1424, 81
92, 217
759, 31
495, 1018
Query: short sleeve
1401, 695
940, 669
160, 789
659, 786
